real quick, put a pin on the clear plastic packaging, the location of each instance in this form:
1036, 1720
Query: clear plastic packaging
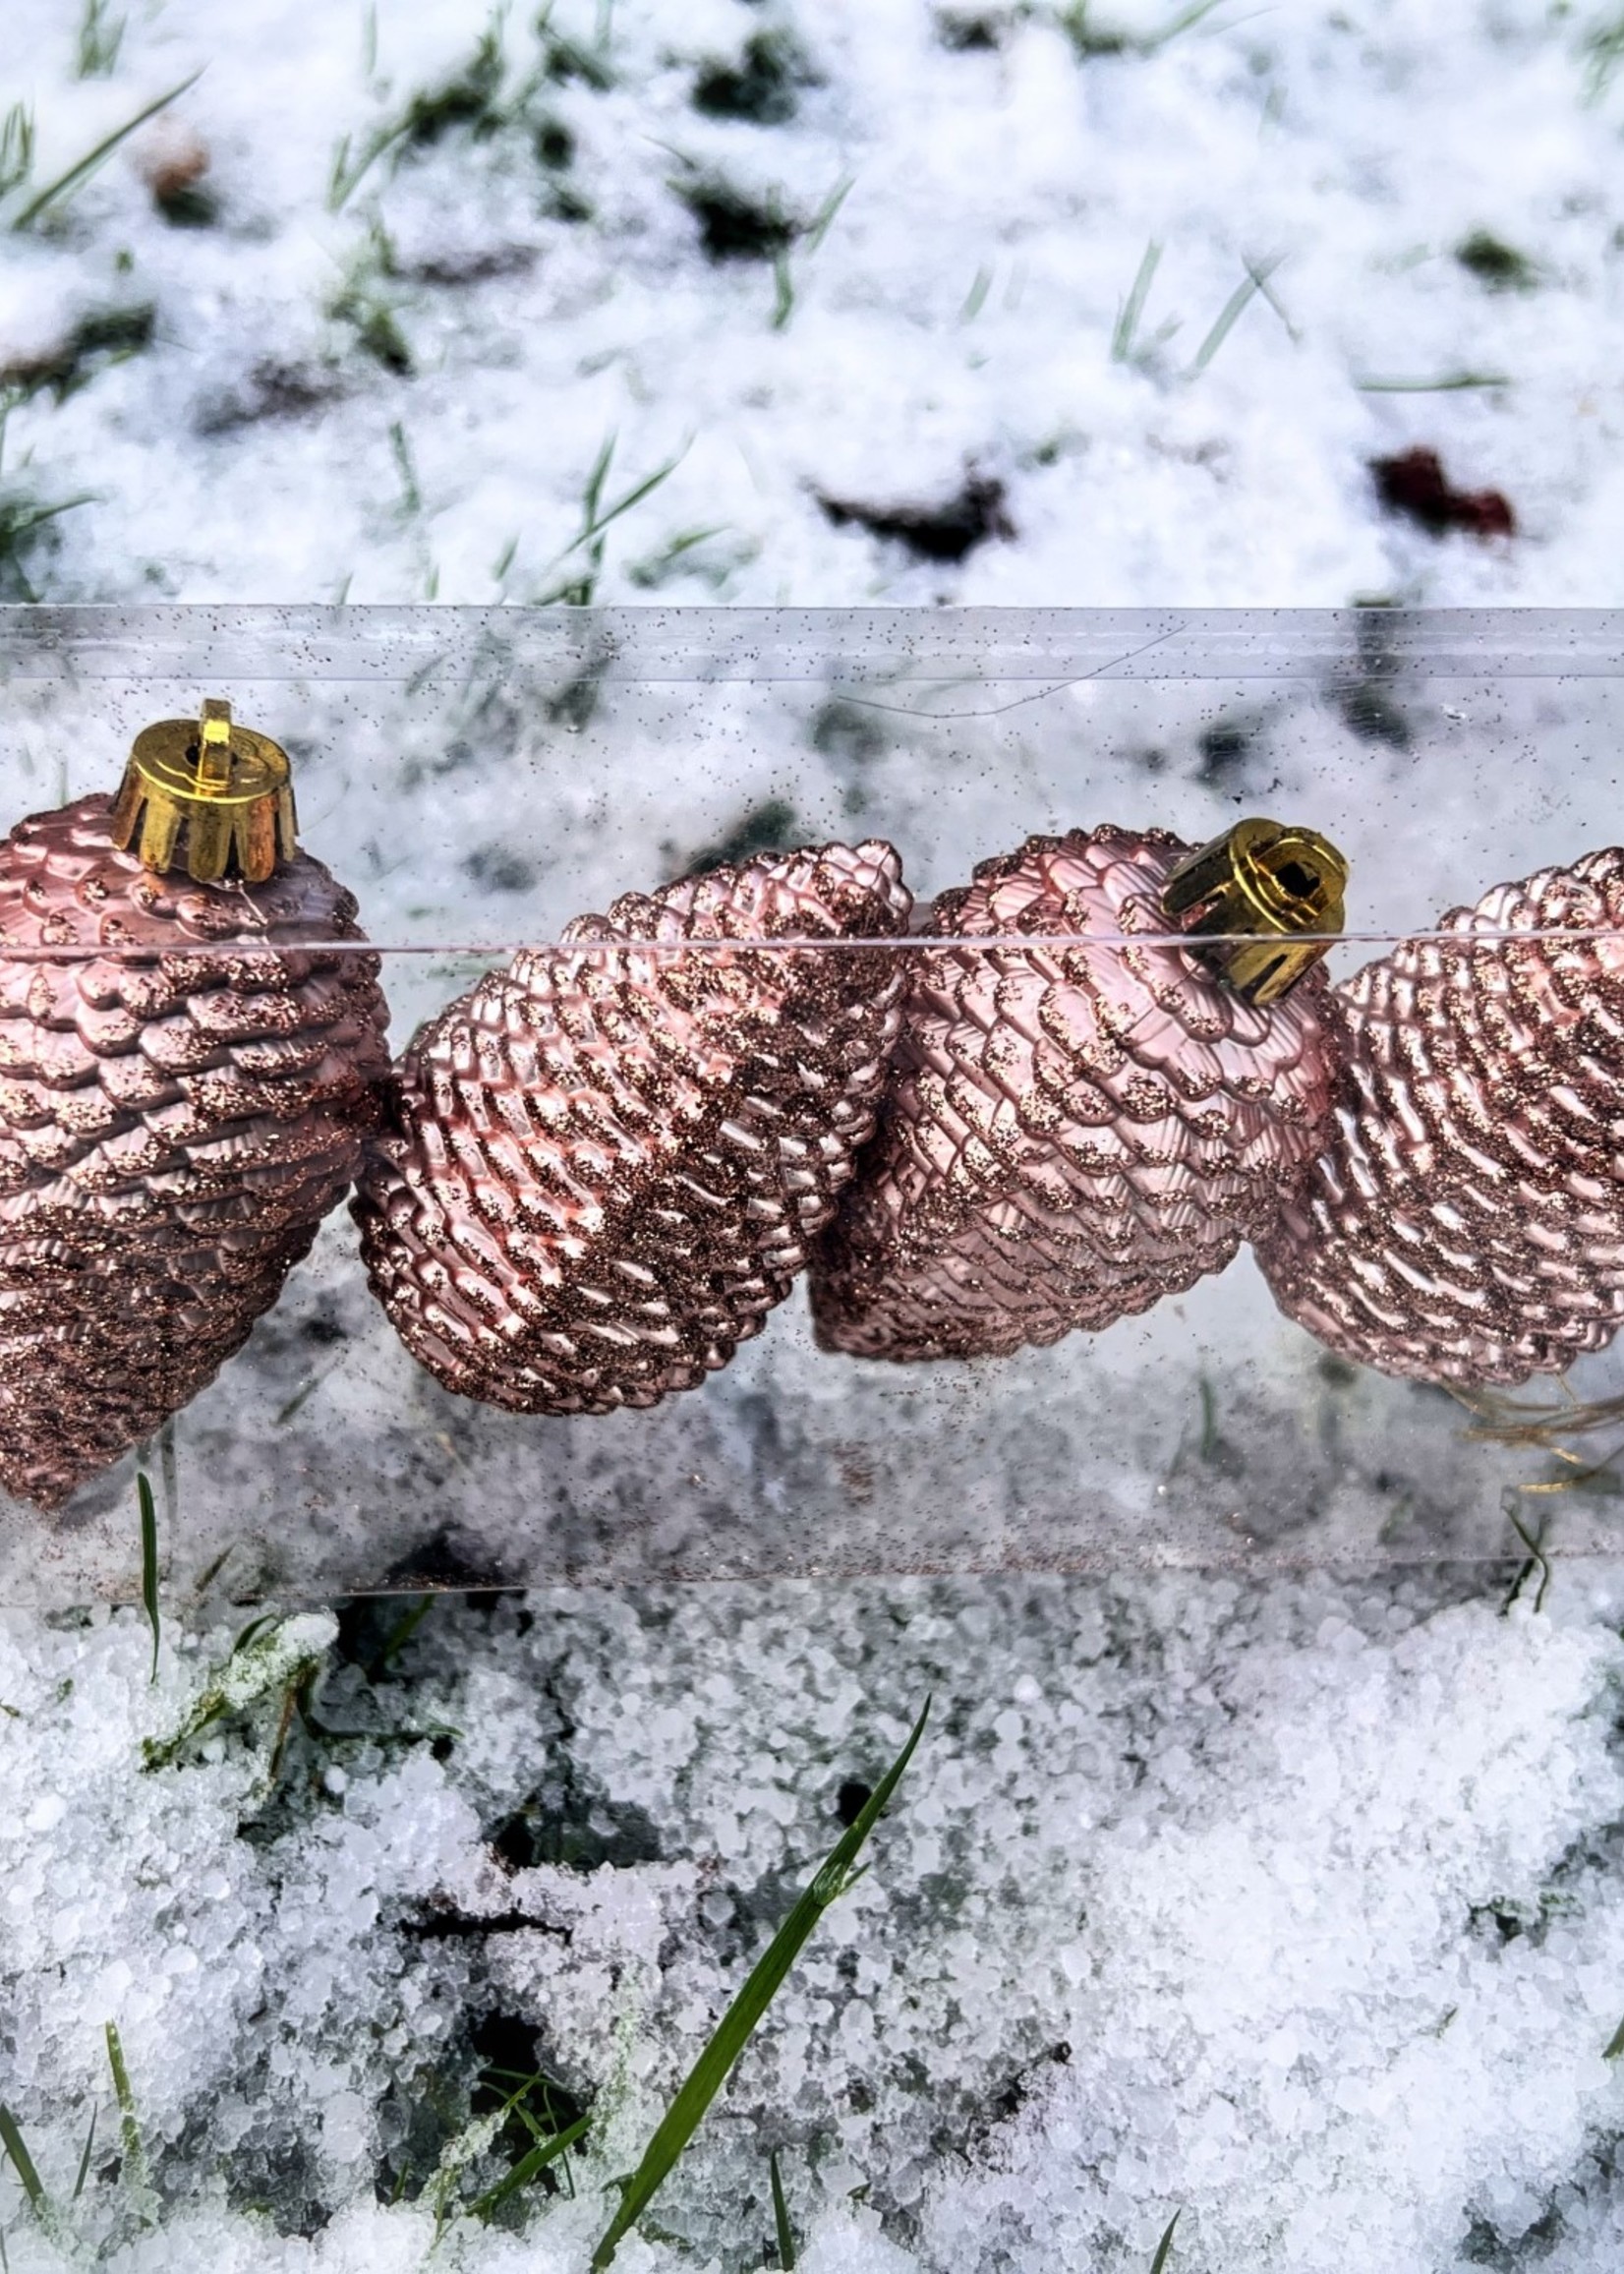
477, 778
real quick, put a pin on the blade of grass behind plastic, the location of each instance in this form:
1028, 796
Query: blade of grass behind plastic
400, 1634
1164, 2248
734, 2032
149, 1563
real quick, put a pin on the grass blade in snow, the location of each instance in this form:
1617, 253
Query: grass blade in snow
135, 2155
782, 2228
11, 2140
85, 2159
530, 2165
733, 2033
83, 168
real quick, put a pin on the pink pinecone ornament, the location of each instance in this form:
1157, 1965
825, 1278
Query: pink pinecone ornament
1078, 1130
182, 1090
1464, 1221
608, 1161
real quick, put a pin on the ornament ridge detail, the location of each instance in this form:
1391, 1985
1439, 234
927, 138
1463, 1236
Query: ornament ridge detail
607, 1163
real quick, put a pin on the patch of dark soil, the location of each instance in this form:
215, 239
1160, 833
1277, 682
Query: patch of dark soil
945, 532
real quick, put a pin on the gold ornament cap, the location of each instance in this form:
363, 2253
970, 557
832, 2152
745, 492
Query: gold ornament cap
209, 796
1260, 878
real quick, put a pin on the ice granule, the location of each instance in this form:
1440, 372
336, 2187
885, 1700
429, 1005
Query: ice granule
1322, 1945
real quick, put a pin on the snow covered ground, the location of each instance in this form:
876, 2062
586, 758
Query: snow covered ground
1292, 1907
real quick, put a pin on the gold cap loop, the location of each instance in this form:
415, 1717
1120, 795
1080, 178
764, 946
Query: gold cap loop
208, 797
1260, 877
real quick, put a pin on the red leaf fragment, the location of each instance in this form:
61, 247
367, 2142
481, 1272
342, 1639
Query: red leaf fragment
1414, 482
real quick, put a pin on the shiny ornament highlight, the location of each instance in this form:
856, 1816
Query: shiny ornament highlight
607, 1162
1464, 1221
186, 1074
1074, 1130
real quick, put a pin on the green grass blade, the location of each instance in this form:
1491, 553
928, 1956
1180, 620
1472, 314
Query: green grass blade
593, 490
28, 518
346, 178
633, 496
1448, 384
781, 2216
734, 2032
16, 148
1132, 308
1615, 2044
1602, 49
532, 2161
400, 1634
411, 495
83, 168
1534, 1544
135, 2155
1263, 273
11, 2140
823, 220
301, 1398
85, 2159
1230, 315
1164, 2248
149, 1563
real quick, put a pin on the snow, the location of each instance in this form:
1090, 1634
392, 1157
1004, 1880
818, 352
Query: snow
1291, 1904
1296, 1913
959, 309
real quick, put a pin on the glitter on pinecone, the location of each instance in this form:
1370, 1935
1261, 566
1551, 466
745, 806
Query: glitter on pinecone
1074, 1130
608, 1160
1464, 1221
185, 1080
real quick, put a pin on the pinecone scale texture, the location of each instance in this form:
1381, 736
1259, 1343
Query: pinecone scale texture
608, 1161
176, 1115
1464, 1221
1074, 1132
